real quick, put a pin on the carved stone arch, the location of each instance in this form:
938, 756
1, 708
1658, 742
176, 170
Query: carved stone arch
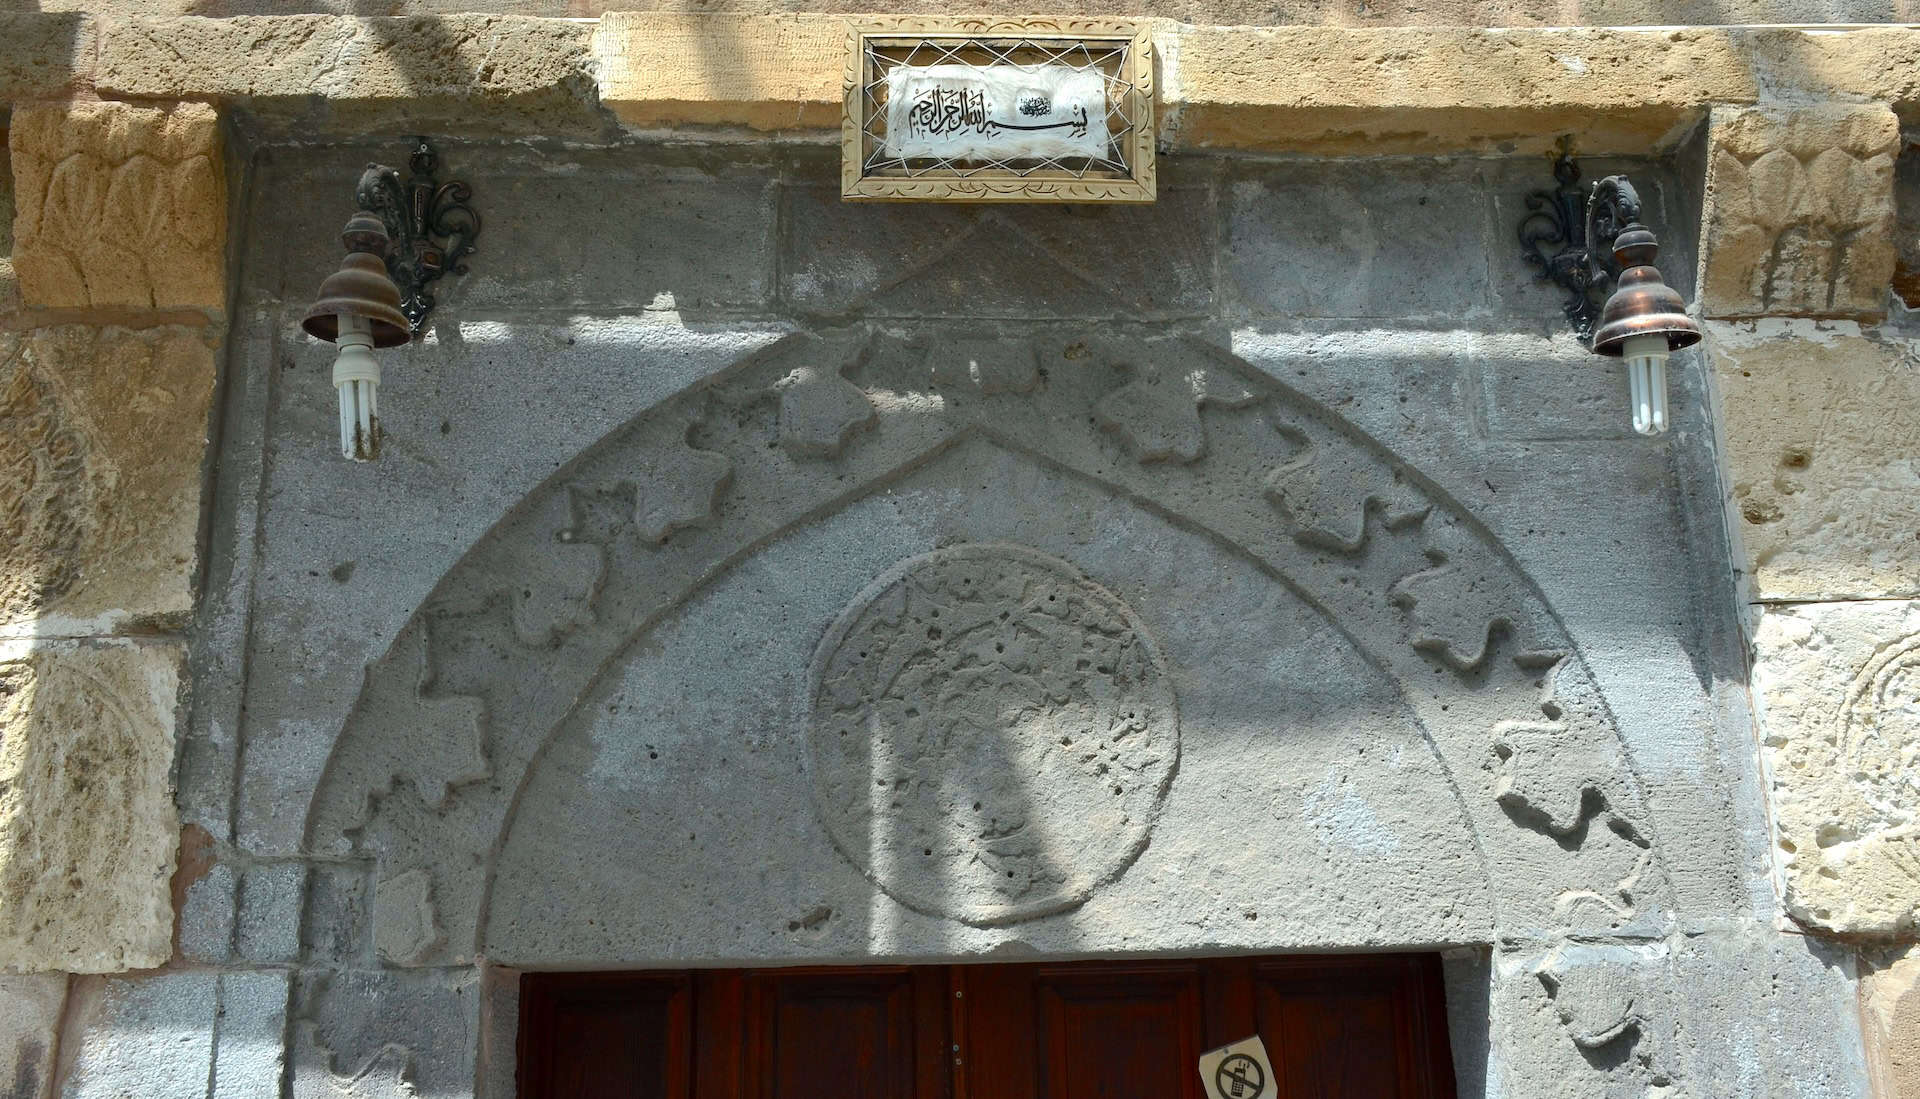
454, 718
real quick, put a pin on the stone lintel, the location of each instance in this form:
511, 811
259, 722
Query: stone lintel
1308, 89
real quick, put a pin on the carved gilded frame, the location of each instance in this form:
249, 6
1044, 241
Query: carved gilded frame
993, 184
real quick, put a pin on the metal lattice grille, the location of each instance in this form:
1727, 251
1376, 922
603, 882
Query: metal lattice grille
1107, 59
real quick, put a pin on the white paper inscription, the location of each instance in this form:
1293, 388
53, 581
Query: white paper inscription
1000, 112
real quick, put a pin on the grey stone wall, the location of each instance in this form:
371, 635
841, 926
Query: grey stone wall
755, 577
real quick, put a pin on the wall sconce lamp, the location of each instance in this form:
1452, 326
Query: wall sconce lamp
405, 237
1644, 320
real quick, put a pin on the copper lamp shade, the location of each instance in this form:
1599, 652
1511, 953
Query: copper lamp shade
1641, 304
361, 287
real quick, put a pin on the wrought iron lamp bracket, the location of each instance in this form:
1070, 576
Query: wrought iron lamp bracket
1567, 235
431, 227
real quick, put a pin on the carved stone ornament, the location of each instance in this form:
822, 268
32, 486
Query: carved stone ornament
998, 110
1002, 723
977, 651
1799, 212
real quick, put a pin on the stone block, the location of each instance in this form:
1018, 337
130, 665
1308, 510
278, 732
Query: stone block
119, 205
1799, 211
1677, 1017
268, 925
249, 1059
207, 914
1017, 261
376, 1034
448, 75
29, 1032
675, 68
1890, 1014
87, 822
1565, 393
47, 53
1821, 424
149, 1036
1354, 241
107, 431
1838, 687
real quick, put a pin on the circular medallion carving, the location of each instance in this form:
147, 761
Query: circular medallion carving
991, 733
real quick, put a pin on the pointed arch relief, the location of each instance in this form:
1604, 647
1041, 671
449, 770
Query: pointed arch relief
466, 729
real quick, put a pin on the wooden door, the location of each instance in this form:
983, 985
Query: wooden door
1334, 1027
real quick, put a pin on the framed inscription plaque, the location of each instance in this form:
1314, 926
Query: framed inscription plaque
998, 110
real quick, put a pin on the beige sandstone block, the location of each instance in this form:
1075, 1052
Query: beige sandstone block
480, 75
1838, 690
1890, 1012
1821, 424
46, 54
1799, 211
119, 205
100, 475
88, 828
661, 69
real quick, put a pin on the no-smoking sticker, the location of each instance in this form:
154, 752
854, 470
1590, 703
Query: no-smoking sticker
1238, 1071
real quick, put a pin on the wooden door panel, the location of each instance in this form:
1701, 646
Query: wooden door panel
612, 1036
1340, 1029
1119, 1033
1335, 1028
835, 1036
1080, 1031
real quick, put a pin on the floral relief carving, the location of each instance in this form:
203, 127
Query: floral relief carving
820, 410
1158, 411
1328, 502
119, 204
1172, 424
1004, 655
1800, 211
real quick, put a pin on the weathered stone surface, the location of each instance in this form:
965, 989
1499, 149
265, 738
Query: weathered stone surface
87, 823
1378, 84
249, 1060
385, 1035
1799, 211
1723, 1013
1371, 248
1509, 13
1839, 691
149, 1036
102, 495
1821, 422
1890, 1012
29, 1032
267, 925
452, 75
1369, 90
119, 205
46, 54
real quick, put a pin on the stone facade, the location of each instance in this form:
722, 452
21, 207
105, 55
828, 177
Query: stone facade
1824, 501
758, 578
